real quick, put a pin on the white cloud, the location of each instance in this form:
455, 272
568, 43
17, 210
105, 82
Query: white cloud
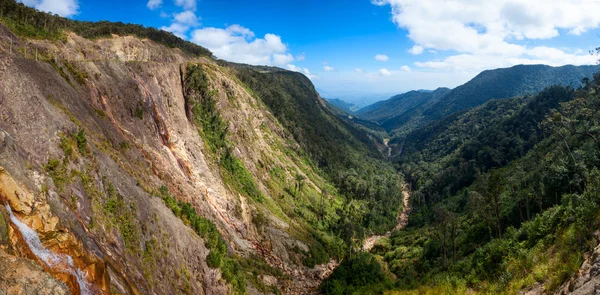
537, 55
359, 71
301, 57
405, 68
473, 26
416, 50
186, 18
178, 29
282, 59
385, 72
64, 8
239, 44
328, 69
305, 71
182, 23
484, 34
153, 4
381, 57
186, 4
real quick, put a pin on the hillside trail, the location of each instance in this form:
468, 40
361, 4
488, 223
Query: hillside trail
386, 142
402, 222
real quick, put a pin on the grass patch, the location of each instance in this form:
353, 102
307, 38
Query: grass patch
122, 214
207, 230
80, 76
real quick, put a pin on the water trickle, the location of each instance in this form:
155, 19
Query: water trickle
57, 262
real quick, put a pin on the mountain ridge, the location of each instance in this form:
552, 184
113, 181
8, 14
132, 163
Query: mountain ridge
399, 104
399, 120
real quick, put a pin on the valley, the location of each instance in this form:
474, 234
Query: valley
136, 162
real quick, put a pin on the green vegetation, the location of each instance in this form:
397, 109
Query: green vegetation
410, 111
359, 274
440, 162
505, 196
139, 112
57, 170
79, 76
401, 106
508, 82
206, 229
343, 153
213, 130
28, 22
122, 214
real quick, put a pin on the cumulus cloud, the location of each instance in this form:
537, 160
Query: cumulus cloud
537, 55
153, 4
182, 21
64, 8
301, 57
305, 71
188, 18
239, 44
178, 29
405, 68
282, 59
186, 4
385, 72
416, 50
484, 33
328, 69
483, 24
381, 57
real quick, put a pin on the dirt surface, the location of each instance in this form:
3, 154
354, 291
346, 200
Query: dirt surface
386, 142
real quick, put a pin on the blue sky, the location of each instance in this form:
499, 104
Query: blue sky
362, 50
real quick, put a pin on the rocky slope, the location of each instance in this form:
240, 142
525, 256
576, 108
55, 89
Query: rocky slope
94, 135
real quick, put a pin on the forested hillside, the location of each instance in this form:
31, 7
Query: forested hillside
509, 82
505, 198
343, 151
397, 106
407, 112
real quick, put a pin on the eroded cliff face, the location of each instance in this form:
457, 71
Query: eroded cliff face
91, 131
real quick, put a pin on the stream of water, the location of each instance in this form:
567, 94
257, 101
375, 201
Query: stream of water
59, 262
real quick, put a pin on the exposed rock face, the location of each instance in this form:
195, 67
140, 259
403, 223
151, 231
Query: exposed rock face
95, 199
587, 280
23, 276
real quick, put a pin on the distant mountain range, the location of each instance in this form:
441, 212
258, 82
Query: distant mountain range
406, 112
400, 104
